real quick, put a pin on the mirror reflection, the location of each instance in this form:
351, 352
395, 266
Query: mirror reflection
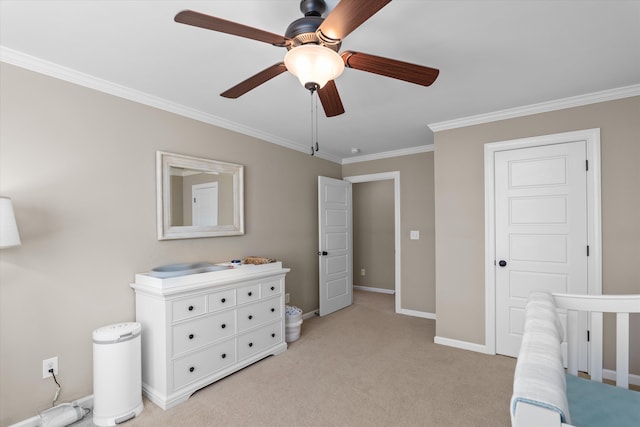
198, 197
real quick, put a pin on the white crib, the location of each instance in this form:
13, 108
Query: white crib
543, 395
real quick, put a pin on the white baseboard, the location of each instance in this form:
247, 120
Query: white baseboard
85, 402
479, 348
310, 314
415, 313
370, 289
608, 374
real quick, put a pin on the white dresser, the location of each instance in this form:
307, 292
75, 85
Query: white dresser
202, 327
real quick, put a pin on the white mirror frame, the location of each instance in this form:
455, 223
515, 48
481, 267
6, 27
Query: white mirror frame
164, 162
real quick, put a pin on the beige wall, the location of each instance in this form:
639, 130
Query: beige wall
80, 167
416, 213
459, 199
374, 234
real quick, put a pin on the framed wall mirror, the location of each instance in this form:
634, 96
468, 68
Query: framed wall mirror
198, 197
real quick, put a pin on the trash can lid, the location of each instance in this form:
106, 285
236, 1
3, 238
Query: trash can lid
117, 332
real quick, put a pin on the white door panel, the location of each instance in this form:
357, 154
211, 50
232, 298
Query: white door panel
335, 240
337, 288
546, 248
528, 281
538, 210
541, 231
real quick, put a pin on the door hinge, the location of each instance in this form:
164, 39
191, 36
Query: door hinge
588, 336
587, 161
587, 250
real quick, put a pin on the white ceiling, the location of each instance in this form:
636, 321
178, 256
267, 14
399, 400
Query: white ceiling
492, 56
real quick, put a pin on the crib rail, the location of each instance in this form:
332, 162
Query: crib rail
596, 305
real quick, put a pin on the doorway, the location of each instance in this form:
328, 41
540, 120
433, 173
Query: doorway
395, 178
373, 237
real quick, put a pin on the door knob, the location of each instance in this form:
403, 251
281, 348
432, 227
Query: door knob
323, 253
502, 263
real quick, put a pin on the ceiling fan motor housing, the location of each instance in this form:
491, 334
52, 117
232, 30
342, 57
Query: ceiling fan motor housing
305, 30
313, 7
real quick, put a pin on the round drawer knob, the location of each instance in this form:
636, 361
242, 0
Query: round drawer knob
223, 300
273, 335
250, 317
250, 344
224, 325
273, 309
273, 288
190, 308
224, 355
250, 293
190, 336
191, 369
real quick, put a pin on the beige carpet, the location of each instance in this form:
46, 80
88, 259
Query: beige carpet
361, 366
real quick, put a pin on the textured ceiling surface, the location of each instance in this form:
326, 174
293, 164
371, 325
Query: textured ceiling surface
492, 56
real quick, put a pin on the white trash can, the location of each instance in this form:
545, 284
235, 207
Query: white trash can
293, 323
117, 373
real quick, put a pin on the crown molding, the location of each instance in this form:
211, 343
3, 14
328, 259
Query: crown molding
20, 59
388, 154
543, 107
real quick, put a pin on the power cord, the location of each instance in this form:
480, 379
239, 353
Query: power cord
55, 397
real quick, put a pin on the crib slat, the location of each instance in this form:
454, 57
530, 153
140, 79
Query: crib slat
572, 342
622, 350
595, 353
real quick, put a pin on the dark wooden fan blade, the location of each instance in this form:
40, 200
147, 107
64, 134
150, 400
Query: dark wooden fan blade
201, 20
349, 15
330, 99
411, 73
255, 81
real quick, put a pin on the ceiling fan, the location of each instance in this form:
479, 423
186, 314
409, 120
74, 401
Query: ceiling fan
313, 44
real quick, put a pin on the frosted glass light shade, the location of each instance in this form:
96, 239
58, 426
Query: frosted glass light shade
8, 229
312, 63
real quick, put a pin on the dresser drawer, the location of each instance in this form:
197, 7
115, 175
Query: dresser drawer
248, 293
188, 307
200, 332
258, 313
270, 288
256, 341
206, 362
221, 300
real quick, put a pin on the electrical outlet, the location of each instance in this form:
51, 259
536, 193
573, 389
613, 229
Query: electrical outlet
49, 364
362, 272
286, 298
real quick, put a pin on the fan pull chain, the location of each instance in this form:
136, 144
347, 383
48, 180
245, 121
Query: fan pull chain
314, 122
316, 114
311, 111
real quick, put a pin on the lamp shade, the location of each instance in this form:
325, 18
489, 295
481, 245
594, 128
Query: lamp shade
315, 64
8, 229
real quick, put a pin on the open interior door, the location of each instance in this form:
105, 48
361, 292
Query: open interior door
335, 251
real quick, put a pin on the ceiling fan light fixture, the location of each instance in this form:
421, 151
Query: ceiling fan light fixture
314, 65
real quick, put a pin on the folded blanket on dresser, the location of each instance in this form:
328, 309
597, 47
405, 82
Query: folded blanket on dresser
539, 376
